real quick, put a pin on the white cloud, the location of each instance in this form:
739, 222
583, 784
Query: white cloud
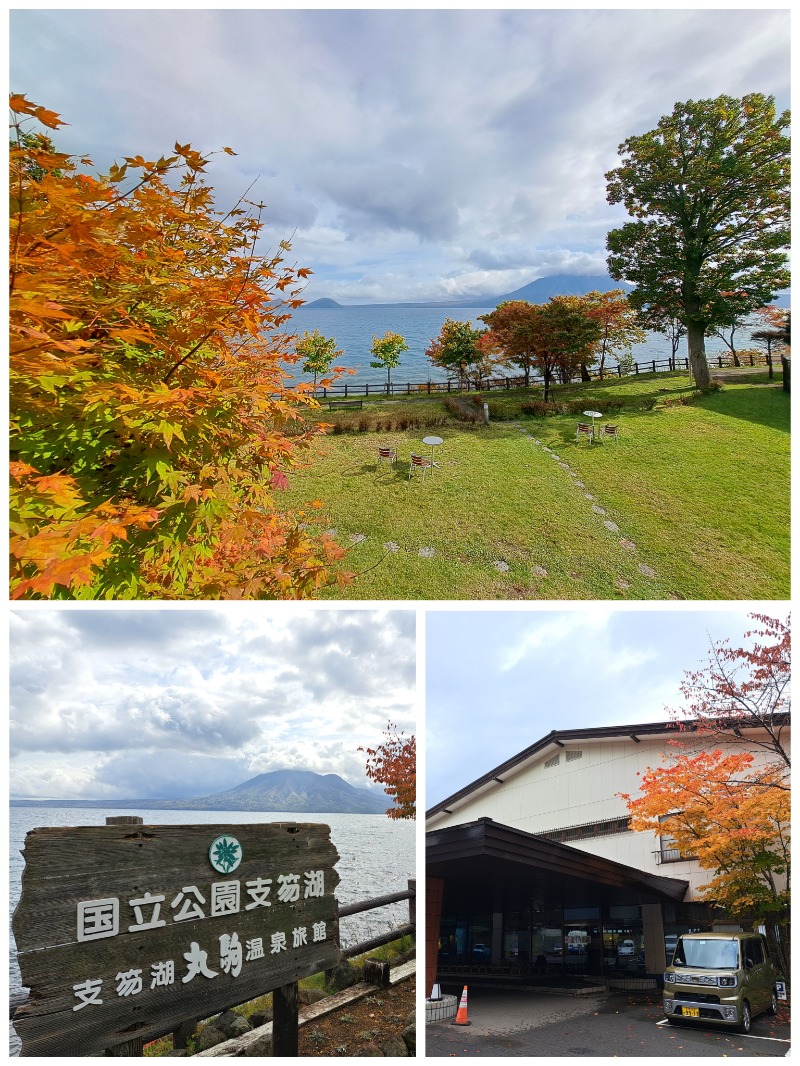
386, 134
124, 703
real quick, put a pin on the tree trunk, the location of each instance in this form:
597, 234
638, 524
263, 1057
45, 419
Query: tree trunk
585, 375
695, 334
546, 385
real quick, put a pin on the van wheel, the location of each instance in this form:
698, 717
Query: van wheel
773, 1003
747, 1018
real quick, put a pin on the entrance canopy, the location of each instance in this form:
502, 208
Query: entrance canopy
486, 856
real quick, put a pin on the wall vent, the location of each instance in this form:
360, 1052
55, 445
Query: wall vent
573, 755
554, 761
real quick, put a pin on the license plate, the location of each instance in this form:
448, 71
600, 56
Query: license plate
690, 1012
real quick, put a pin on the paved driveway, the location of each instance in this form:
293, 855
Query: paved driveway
506, 1023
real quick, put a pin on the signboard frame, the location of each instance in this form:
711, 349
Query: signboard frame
125, 932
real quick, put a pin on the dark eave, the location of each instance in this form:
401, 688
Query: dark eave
500, 849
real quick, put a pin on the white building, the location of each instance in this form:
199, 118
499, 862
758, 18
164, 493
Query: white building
533, 867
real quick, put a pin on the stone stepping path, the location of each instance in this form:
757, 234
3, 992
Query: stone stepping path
628, 545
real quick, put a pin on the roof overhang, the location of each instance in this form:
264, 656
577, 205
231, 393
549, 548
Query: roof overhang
551, 743
492, 854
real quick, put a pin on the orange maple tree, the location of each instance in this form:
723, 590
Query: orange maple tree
723, 797
152, 426
393, 764
735, 821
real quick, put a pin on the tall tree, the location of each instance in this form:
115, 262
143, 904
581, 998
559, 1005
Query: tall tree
148, 398
387, 351
393, 764
317, 353
457, 348
709, 192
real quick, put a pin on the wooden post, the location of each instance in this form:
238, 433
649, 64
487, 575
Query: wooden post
412, 903
285, 1007
377, 973
130, 1049
181, 1034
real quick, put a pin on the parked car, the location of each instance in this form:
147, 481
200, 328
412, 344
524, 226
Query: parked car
626, 947
670, 943
726, 978
481, 951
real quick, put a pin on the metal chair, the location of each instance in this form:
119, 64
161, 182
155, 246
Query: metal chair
420, 462
387, 455
610, 431
585, 429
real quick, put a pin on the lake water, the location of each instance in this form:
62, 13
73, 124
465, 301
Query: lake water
354, 328
376, 856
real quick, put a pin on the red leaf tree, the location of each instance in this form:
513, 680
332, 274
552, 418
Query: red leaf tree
393, 764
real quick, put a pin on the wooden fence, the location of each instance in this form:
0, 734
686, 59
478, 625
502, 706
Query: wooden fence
285, 999
409, 388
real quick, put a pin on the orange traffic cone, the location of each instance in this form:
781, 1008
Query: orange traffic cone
461, 1017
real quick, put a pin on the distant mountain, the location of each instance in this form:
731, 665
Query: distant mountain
539, 291
291, 790
279, 792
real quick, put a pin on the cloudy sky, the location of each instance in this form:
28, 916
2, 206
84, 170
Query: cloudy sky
167, 703
498, 682
413, 154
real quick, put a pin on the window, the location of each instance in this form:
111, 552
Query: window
668, 850
753, 952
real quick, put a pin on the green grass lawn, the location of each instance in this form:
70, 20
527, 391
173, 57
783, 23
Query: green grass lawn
698, 493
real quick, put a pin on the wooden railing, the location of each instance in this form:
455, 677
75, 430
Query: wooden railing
410, 388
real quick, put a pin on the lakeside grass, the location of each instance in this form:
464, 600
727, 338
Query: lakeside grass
698, 489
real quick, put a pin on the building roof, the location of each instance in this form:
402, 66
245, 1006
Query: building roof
554, 740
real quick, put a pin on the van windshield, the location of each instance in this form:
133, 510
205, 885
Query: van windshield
707, 954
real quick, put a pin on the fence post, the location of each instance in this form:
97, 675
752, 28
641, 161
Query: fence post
285, 1008
636, 367
366, 389
412, 902
429, 388
720, 362
180, 1036
345, 389
619, 371
654, 366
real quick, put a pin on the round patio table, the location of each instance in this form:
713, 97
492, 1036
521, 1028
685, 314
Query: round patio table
593, 415
432, 442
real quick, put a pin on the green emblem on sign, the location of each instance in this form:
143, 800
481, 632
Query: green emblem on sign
225, 854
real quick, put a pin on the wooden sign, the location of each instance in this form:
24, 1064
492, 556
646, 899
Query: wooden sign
126, 931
